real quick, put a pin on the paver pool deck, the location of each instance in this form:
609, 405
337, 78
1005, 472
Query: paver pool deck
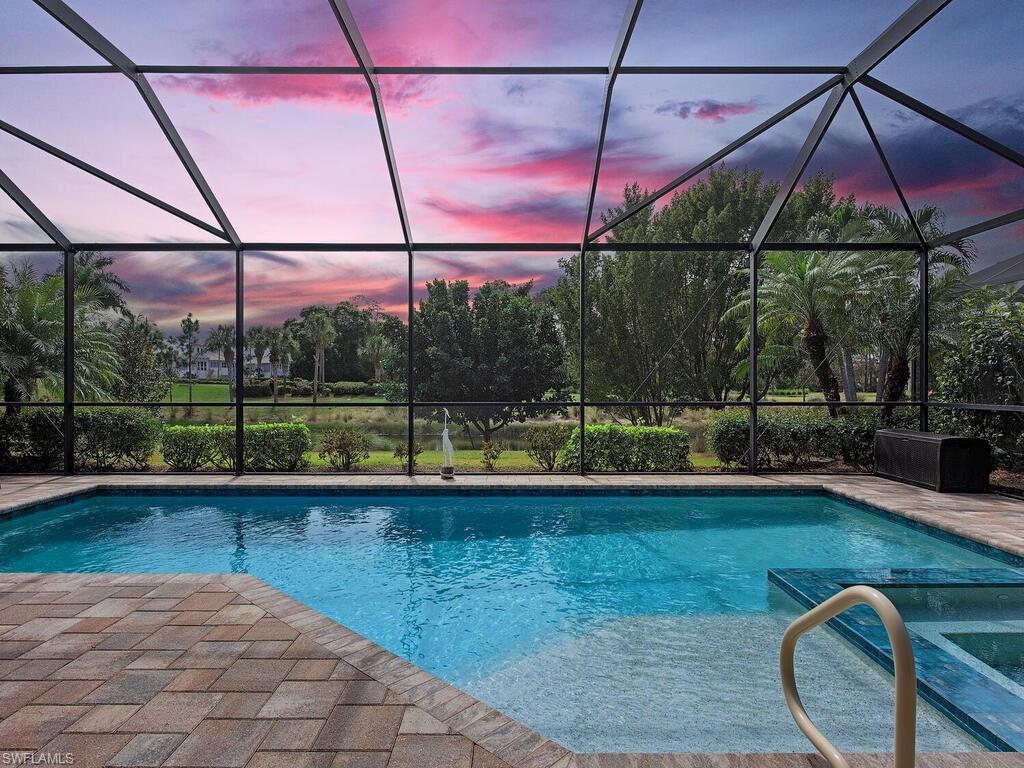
205, 670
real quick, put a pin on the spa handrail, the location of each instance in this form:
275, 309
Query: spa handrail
903, 662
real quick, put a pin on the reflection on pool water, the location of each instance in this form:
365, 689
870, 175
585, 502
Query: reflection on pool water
639, 623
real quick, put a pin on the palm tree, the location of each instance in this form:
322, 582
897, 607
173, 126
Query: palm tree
281, 347
93, 274
32, 339
813, 293
375, 350
806, 292
168, 356
222, 340
320, 331
898, 274
257, 339
188, 344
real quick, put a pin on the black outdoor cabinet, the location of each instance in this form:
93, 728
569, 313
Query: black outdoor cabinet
940, 462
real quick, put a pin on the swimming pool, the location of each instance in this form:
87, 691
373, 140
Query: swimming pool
608, 623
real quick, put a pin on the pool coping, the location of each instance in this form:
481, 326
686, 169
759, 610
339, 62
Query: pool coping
499, 733
512, 743
986, 710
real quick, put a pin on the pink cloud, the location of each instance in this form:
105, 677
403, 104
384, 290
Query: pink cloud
547, 219
987, 194
570, 169
452, 32
278, 297
327, 91
709, 110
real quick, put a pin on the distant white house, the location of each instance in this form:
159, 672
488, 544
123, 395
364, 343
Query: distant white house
211, 365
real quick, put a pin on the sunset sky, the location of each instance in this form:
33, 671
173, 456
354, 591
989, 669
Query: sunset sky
481, 158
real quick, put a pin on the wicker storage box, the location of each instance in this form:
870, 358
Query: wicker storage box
940, 462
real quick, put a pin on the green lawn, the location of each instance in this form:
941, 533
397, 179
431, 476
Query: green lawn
218, 392
465, 460
811, 398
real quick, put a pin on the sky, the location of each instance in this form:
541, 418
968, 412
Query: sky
481, 158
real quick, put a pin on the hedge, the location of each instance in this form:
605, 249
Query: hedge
304, 388
105, 438
1002, 430
32, 440
624, 448
273, 447
115, 438
728, 435
798, 438
188, 447
276, 447
260, 390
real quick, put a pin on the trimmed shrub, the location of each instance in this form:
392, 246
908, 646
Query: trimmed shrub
489, 454
296, 388
273, 447
351, 389
796, 439
304, 388
728, 435
32, 440
222, 446
543, 444
258, 389
1002, 430
188, 447
857, 446
344, 446
624, 448
115, 438
799, 438
276, 447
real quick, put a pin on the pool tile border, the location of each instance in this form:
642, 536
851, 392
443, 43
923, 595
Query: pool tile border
986, 710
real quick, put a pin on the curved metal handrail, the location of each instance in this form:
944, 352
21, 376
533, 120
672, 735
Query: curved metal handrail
903, 662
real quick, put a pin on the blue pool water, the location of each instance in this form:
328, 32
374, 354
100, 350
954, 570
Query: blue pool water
605, 622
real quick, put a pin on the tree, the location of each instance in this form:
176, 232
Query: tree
168, 357
501, 346
341, 359
806, 290
319, 331
983, 362
655, 327
222, 341
32, 339
258, 340
898, 286
92, 273
811, 295
140, 371
376, 348
188, 346
281, 348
